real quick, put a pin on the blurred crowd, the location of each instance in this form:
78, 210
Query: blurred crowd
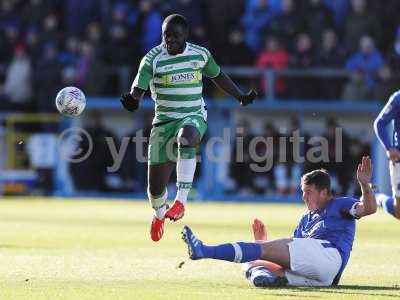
97, 44
265, 160
292, 152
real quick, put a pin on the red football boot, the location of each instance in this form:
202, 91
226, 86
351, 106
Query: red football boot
176, 211
157, 229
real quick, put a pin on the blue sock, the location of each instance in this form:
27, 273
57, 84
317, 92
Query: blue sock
386, 202
235, 252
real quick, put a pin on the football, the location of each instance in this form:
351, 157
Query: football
70, 101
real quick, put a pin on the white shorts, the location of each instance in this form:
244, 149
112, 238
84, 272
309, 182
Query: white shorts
394, 169
312, 262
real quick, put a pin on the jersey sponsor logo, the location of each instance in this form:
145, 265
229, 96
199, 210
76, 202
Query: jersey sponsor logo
183, 77
186, 77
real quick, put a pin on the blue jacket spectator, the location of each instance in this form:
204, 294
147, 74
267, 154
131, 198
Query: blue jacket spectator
340, 9
150, 21
367, 61
255, 20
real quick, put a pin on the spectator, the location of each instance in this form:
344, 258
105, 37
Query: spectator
364, 66
287, 172
35, 11
237, 52
394, 54
302, 58
79, 14
8, 13
287, 24
317, 18
148, 25
387, 85
47, 78
220, 17
255, 21
276, 58
90, 175
359, 23
95, 36
70, 55
387, 13
119, 42
9, 39
193, 11
331, 55
50, 29
91, 71
264, 179
33, 44
341, 161
240, 164
340, 10
18, 86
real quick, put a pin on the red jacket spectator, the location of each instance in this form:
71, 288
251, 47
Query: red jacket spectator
276, 58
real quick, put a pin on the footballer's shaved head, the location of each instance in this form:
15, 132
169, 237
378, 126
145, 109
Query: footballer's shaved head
175, 31
176, 19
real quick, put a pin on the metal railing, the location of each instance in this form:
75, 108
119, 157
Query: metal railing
272, 75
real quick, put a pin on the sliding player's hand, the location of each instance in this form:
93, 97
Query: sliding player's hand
248, 98
364, 171
129, 102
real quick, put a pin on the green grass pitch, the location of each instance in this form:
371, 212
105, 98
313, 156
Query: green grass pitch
80, 249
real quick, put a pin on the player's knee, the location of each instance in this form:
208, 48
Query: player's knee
188, 136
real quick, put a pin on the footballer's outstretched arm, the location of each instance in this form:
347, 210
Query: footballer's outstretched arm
364, 173
225, 83
131, 100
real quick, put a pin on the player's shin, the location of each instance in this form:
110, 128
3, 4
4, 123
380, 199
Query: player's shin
235, 252
185, 168
158, 203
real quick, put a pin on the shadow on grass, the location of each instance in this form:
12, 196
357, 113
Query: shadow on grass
394, 291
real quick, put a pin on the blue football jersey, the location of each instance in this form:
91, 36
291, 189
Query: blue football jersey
334, 223
390, 113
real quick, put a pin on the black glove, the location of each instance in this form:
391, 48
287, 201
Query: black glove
248, 99
129, 102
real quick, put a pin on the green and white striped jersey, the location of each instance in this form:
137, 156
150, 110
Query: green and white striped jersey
176, 81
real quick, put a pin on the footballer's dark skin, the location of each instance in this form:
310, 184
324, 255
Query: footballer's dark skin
174, 38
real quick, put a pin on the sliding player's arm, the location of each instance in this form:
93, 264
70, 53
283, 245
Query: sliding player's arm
367, 206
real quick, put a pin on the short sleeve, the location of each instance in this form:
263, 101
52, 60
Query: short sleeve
144, 75
211, 68
347, 207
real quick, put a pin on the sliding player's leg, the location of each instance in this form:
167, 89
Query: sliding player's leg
301, 268
276, 251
